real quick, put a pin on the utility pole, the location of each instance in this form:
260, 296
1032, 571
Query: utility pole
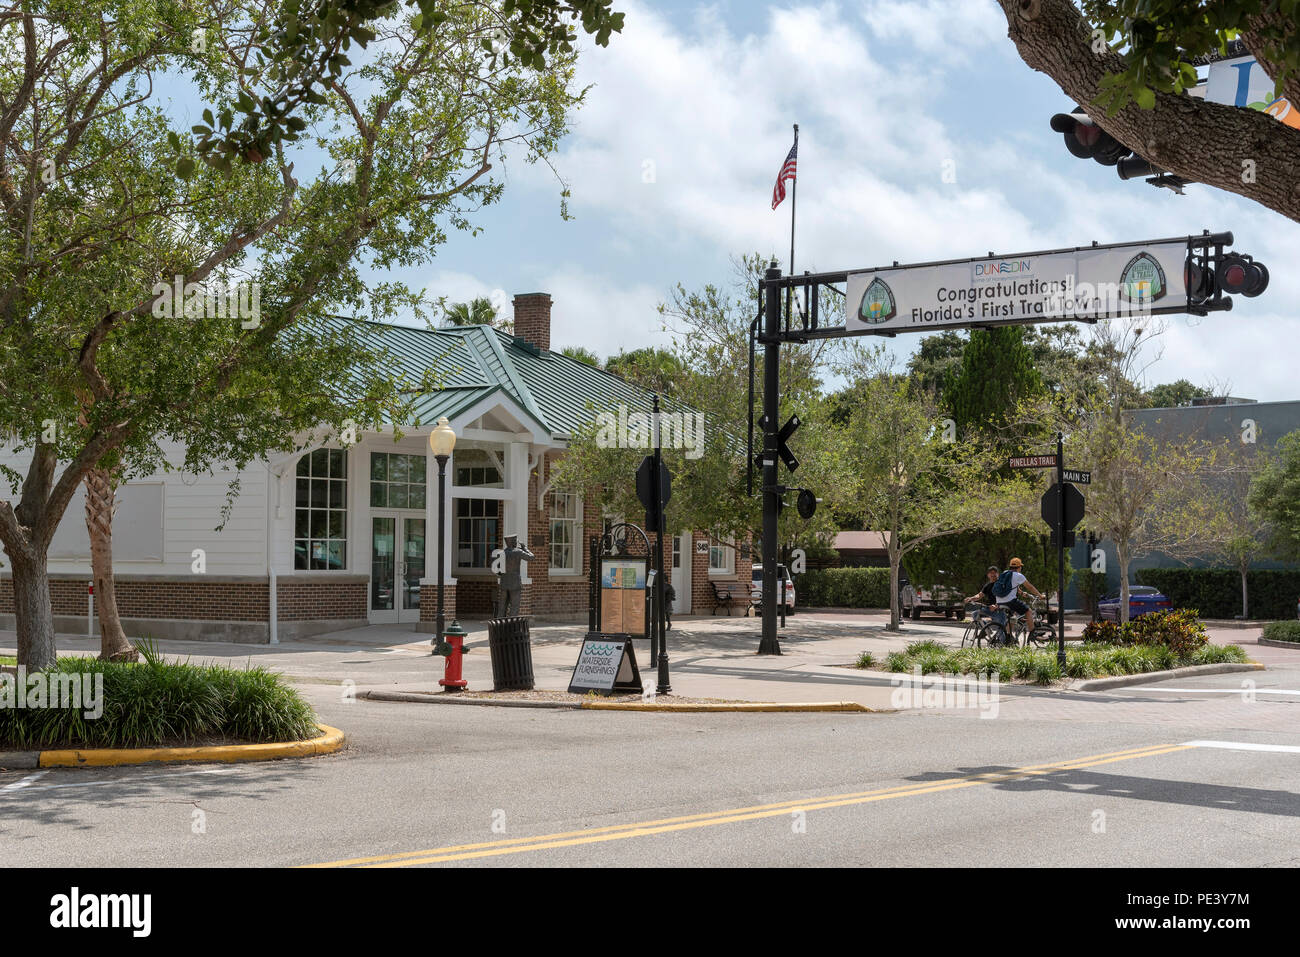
1060, 551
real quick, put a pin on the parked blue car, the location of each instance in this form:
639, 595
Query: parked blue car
1142, 600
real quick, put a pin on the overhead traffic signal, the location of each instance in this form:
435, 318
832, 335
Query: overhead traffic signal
1086, 140
1213, 274
1238, 274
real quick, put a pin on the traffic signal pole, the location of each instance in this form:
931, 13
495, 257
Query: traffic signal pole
769, 645
1060, 552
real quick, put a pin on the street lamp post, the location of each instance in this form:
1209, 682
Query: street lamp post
441, 441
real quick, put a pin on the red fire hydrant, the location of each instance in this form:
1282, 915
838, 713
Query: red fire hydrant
453, 646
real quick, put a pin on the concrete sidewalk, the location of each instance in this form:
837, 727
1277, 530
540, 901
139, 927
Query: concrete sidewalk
708, 657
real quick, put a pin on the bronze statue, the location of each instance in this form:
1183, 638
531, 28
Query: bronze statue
508, 581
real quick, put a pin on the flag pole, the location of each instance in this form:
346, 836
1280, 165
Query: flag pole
794, 200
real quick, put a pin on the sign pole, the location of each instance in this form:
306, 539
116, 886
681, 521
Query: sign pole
660, 590
769, 645
1060, 552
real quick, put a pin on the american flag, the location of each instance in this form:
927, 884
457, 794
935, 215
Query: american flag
787, 173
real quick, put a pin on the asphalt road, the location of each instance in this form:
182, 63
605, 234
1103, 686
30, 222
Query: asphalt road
1158, 775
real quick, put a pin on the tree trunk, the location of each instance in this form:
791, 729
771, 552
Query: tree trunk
35, 613
113, 645
1245, 604
894, 560
1121, 553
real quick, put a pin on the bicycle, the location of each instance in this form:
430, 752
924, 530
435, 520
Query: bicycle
1001, 631
1042, 633
977, 631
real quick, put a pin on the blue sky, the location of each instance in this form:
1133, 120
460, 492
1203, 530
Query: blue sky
888, 94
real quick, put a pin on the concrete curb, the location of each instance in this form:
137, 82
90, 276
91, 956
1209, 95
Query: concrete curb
600, 705
740, 706
443, 698
329, 741
1123, 681
1272, 643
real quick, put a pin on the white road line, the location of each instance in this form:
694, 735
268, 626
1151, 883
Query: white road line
25, 782
1244, 746
1223, 690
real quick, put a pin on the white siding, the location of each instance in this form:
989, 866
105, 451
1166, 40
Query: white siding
192, 511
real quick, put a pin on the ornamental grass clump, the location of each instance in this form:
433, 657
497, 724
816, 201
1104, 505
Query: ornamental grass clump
154, 703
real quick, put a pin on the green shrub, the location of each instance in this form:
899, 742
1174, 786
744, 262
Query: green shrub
865, 660
153, 703
1220, 654
1217, 591
843, 588
929, 645
1179, 630
1102, 632
1282, 631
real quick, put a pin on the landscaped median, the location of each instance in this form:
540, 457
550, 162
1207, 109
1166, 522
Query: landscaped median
1281, 634
1040, 666
1154, 643
85, 712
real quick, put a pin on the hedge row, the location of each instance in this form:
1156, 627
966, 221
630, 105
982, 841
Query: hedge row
1216, 592
844, 588
1282, 631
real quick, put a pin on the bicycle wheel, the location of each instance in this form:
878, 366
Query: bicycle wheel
972, 636
1040, 636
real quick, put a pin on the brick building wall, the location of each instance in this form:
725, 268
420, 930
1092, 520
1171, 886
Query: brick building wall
210, 599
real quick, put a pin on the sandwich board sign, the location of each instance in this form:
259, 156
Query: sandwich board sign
606, 663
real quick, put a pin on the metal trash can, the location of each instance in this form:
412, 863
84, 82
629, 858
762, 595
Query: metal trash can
510, 645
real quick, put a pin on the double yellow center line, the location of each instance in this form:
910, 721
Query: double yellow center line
618, 832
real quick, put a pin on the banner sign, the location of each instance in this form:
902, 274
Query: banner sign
1242, 82
1087, 283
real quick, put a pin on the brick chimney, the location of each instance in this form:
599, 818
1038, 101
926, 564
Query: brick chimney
533, 318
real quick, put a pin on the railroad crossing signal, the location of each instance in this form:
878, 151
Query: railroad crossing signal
782, 437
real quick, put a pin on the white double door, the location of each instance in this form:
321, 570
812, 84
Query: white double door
397, 563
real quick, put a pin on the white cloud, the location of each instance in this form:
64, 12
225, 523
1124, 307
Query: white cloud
674, 156
600, 314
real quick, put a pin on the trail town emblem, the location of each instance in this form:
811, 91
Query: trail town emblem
877, 302
1142, 280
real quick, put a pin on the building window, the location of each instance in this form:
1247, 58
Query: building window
566, 533
478, 528
474, 467
397, 481
722, 556
677, 551
320, 519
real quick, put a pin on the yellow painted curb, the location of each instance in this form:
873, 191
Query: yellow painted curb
737, 706
330, 740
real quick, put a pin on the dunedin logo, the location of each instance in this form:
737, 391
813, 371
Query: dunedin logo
1142, 280
877, 302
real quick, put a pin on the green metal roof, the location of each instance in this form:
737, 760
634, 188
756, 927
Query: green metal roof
472, 363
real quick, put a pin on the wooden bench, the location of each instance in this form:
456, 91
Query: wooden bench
722, 598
